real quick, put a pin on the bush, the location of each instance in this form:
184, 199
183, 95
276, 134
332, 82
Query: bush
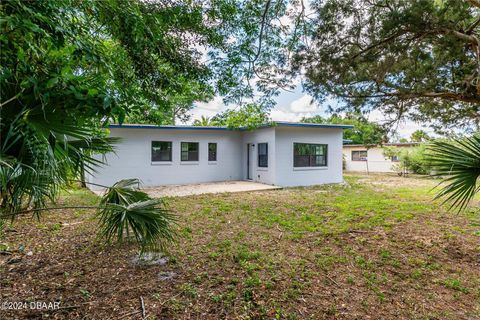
411, 159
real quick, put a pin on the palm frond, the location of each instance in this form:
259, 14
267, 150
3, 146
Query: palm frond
458, 162
40, 152
127, 213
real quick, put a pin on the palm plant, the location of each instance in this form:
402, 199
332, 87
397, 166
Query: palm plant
458, 161
39, 151
128, 213
203, 122
41, 154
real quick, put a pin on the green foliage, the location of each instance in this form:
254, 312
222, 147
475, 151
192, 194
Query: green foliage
39, 153
126, 212
260, 37
107, 58
364, 132
405, 58
419, 136
203, 122
458, 161
412, 159
249, 116
68, 67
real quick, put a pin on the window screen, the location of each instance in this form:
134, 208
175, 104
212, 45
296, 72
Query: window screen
309, 155
212, 151
263, 155
359, 155
189, 151
161, 151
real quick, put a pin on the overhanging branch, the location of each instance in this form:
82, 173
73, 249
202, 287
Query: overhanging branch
451, 96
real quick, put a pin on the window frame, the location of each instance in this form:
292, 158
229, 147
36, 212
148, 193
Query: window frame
170, 148
259, 165
310, 156
188, 151
215, 152
360, 158
395, 158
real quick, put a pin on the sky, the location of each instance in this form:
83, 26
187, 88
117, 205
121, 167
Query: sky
293, 106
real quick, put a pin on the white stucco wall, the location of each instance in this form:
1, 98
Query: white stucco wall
376, 161
262, 135
133, 157
288, 175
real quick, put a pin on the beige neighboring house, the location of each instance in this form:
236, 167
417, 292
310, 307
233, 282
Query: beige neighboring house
357, 157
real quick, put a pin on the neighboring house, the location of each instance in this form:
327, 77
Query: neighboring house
284, 154
357, 157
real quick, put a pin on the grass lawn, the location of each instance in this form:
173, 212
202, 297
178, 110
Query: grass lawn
375, 249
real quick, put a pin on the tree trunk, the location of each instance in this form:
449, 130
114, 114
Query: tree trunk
82, 175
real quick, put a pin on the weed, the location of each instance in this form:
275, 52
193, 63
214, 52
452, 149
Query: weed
189, 290
455, 284
85, 293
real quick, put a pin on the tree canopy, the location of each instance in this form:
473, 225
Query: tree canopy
419, 136
364, 132
419, 59
68, 67
249, 116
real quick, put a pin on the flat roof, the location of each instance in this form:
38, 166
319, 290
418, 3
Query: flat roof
187, 127
394, 144
312, 125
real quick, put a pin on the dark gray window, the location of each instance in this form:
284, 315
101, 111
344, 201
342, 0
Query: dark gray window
161, 151
309, 155
359, 155
212, 151
263, 155
189, 151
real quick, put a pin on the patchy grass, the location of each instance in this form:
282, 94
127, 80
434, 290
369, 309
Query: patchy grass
378, 247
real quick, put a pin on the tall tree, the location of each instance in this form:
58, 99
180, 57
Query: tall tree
70, 66
248, 116
67, 67
419, 59
204, 122
419, 136
363, 132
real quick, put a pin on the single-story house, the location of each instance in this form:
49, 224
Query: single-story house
281, 153
359, 157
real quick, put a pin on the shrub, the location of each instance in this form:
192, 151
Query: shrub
411, 159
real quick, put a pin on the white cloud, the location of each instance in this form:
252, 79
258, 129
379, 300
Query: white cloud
215, 104
303, 104
207, 109
403, 128
280, 115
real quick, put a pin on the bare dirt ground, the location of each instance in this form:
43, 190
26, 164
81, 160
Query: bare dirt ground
377, 248
394, 180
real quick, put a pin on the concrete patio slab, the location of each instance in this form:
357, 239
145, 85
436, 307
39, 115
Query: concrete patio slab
211, 187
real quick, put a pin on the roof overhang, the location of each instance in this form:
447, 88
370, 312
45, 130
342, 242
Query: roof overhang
400, 144
270, 125
166, 127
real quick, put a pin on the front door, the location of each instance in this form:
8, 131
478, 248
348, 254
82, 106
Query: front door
249, 161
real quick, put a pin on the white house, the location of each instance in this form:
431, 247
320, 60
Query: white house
358, 157
284, 154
